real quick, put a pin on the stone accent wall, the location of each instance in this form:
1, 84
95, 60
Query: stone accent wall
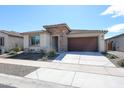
118, 43
61, 32
63, 42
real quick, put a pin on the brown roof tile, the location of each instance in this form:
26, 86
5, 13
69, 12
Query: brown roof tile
11, 33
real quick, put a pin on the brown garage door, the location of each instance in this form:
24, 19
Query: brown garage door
83, 44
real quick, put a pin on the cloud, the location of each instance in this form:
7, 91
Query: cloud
116, 28
114, 10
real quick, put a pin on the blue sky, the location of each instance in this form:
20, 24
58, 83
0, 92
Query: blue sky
30, 18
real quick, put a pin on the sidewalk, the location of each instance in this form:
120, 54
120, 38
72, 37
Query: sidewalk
70, 75
22, 82
113, 71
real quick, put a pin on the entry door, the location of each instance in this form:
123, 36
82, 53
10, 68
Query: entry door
55, 42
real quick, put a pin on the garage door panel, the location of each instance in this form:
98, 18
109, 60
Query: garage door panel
82, 44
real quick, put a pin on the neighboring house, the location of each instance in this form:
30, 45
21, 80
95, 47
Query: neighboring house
115, 43
61, 38
9, 40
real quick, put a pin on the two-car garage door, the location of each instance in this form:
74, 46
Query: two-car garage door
83, 44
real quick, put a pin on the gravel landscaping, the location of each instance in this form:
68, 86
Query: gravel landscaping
30, 56
115, 58
17, 70
116, 62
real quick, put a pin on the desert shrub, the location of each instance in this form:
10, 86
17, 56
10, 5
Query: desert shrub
111, 56
17, 49
121, 62
43, 52
44, 58
12, 52
52, 53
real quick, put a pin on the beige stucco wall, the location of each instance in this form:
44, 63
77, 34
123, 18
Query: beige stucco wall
11, 42
44, 42
6, 43
83, 35
15, 42
101, 41
118, 41
26, 41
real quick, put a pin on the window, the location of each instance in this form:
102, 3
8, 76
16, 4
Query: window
35, 40
1, 41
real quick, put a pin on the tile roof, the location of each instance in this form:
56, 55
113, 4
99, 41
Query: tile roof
11, 33
57, 25
74, 31
36, 31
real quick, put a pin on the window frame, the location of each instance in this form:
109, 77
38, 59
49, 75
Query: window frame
35, 40
2, 40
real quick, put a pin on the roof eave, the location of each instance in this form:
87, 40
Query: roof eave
33, 32
96, 31
56, 25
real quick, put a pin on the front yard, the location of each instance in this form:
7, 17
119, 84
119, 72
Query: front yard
115, 59
31, 56
67, 57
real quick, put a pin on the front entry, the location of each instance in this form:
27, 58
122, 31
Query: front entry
55, 42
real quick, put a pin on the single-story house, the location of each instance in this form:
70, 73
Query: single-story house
61, 38
115, 43
10, 40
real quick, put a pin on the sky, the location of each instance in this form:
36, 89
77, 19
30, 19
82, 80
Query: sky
31, 18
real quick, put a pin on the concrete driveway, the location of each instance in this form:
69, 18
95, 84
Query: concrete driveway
86, 58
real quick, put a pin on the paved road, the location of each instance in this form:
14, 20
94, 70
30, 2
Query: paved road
86, 58
17, 70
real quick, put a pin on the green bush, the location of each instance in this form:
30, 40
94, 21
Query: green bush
121, 62
52, 53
